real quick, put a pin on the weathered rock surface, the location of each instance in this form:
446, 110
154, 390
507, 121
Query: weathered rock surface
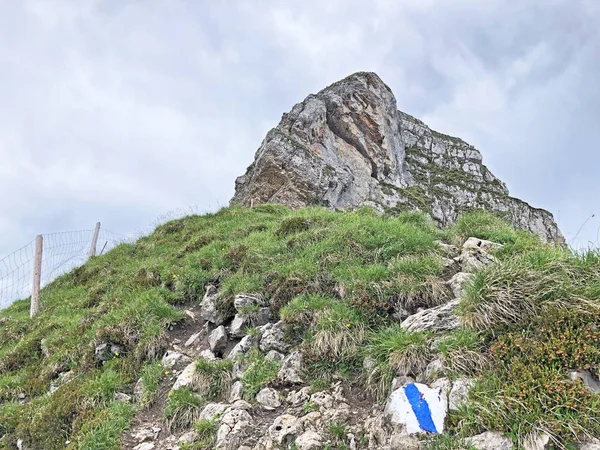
217, 340
490, 441
437, 319
209, 308
348, 146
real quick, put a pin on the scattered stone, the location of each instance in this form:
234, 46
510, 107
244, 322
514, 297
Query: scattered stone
145, 446
193, 339
434, 370
400, 381
173, 360
438, 319
274, 355
209, 308
188, 438
211, 410
242, 300
237, 391
242, 321
399, 440
459, 395
122, 397
208, 355
138, 389
145, 434
185, 378
490, 440
292, 368
190, 314
457, 283
274, 339
107, 351
236, 426
309, 440
475, 254
403, 402
296, 398
588, 379
268, 399
217, 340
284, 429
241, 347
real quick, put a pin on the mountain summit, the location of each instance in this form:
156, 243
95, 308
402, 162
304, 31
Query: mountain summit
349, 146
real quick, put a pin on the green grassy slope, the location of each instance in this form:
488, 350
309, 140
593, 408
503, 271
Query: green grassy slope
336, 279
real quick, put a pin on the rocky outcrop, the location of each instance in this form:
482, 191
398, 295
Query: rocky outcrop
349, 146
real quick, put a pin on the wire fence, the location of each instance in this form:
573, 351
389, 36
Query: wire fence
61, 253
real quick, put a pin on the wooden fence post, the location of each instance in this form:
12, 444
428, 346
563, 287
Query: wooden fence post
37, 277
95, 240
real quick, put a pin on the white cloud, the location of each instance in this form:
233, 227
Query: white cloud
119, 111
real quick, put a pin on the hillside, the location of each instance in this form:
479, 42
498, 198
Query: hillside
291, 328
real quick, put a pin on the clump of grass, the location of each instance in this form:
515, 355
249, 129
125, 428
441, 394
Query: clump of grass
151, 376
206, 430
260, 372
462, 351
103, 387
293, 225
448, 442
105, 429
182, 409
524, 286
337, 430
213, 378
393, 351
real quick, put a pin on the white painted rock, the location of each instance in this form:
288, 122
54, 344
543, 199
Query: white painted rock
419, 407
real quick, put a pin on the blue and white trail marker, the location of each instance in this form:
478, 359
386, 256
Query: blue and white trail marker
419, 407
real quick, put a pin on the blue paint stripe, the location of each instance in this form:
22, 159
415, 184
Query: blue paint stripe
420, 408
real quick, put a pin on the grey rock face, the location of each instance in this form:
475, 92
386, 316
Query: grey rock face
209, 308
459, 395
291, 372
268, 398
348, 146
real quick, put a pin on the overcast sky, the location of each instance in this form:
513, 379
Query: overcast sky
120, 111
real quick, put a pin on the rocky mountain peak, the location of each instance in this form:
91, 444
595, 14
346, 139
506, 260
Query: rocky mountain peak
349, 146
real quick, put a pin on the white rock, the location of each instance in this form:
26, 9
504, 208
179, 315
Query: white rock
209, 308
237, 390
459, 395
236, 426
594, 444
457, 283
238, 325
296, 398
242, 300
309, 440
217, 340
145, 434
428, 413
274, 355
122, 397
291, 370
193, 339
145, 446
440, 318
185, 378
490, 440
588, 379
274, 339
173, 359
188, 438
444, 384
477, 244
284, 429
268, 398
208, 355
241, 347
211, 410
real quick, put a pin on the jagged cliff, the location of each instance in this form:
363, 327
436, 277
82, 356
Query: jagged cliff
349, 146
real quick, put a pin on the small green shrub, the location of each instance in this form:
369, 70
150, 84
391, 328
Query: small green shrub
151, 376
260, 372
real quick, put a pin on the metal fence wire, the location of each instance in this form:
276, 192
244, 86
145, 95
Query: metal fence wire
61, 253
